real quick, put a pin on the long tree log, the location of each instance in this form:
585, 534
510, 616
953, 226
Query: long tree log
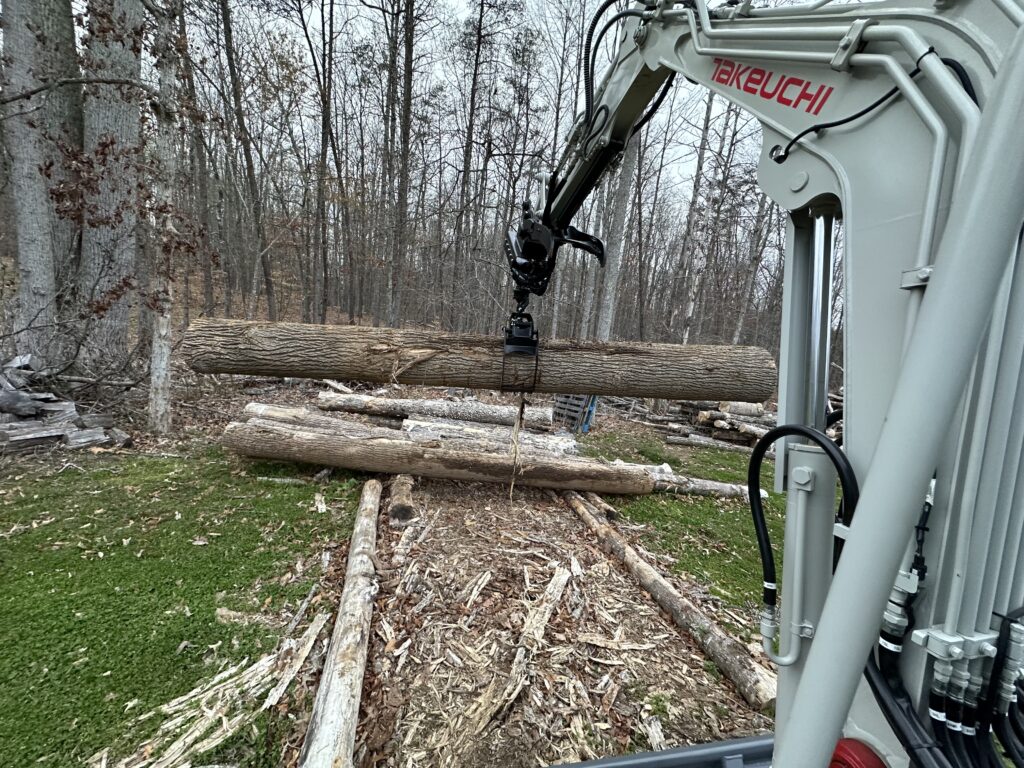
259, 438
754, 682
352, 445
332, 726
674, 372
466, 410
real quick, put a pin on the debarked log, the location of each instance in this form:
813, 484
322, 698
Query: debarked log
464, 410
674, 372
351, 445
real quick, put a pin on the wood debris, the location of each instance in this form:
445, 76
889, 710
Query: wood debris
205, 717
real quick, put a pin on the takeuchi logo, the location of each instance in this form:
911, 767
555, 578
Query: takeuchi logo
793, 92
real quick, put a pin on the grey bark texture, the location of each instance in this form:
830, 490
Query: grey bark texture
423, 357
111, 142
616, 240
39, 48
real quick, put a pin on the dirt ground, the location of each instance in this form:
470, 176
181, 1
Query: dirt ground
612, 674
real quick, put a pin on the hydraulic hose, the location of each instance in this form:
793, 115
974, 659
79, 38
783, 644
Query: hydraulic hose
847, 480
588, 76
887, 687
921, 747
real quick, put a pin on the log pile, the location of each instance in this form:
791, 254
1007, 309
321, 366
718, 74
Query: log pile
726, 425
29, 419
455, 452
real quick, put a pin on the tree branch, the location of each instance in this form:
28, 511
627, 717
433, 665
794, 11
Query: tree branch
4, 100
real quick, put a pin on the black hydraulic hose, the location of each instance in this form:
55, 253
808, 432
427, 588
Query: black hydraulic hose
655, 106
588, 76
937, 714
954, 725
1009, 741
893, 699
847, 480
969, 734
923, 750
1016, 718
600, 36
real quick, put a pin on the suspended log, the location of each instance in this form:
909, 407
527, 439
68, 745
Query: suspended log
754, 682
331, 735
442, 359
465, 410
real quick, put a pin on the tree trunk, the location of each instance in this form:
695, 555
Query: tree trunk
331, 735
616, 240
34, 311
112, 146
161, 296
290, 434
259, 438
467, 410
255, 198
435, 359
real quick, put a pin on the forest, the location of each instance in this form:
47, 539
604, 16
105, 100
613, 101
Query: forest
341, 161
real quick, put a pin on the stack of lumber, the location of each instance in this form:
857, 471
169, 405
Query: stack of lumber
448, 449
31, 419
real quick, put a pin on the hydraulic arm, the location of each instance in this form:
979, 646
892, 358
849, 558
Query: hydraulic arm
901, 119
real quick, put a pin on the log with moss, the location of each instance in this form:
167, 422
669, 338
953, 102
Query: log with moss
673, 372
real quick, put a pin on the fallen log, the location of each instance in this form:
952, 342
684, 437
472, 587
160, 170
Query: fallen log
448, 429
331, 735
674, 372
260, 438
400, 507
370, 449
754, 682
700, 441
464, 410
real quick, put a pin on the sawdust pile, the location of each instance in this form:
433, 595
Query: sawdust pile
506, 637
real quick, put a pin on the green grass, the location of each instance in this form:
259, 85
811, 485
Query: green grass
712, 540
114, 600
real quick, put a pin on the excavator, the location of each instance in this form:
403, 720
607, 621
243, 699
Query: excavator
897, 626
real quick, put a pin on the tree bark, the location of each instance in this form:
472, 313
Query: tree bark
259, 438
293, 434
467, 410
616, 240
34, 308
161, 293
435, 359
754, 682
331, 735
112, 149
